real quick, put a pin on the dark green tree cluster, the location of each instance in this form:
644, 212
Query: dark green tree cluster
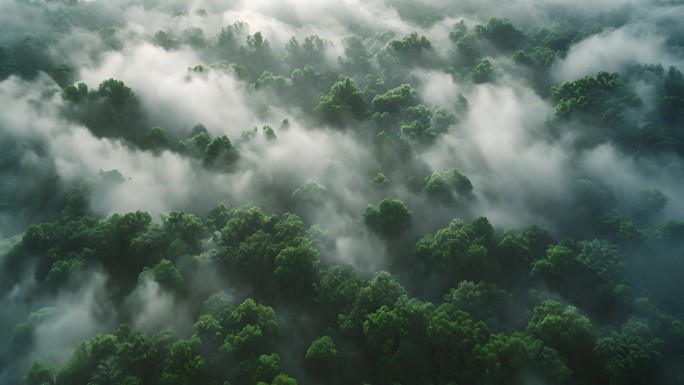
659, 130
487, 321
298, 75
422, 13
343, 104
265, 292
604, 96
447, 185
389, 219
29, 56
112, 110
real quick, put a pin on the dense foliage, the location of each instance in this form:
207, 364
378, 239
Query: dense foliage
477, 332
257, 293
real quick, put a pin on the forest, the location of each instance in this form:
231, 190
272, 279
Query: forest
371, 192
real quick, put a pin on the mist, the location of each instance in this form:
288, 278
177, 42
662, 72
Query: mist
222, 106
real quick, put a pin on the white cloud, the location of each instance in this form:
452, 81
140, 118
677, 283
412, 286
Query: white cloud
612, 51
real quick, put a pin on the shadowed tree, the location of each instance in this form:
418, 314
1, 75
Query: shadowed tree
343, 104
389, 219
220, 154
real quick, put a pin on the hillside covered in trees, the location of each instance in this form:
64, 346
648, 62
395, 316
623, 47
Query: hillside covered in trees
357, 192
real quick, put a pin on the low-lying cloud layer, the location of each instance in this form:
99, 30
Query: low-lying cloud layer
521, 172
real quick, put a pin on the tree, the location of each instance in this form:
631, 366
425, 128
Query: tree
278, 86
513, 359
251, 329
141, 355
156, 139
458, 252
389, 219
321, 355
336, 290
588, 267
501, 33
184, 232
559, 266
257, 56
91, 360
669, 232
184, 365
617, 229
454, 334
39, 374
117, 93
593, 96
447, 184
484, 301
194, 145
209, 330
397, 336
112, 110
442, 119
310, 193
63, 74
343, 104
602, 258
648, 205
394, 100
382, 290
8, 66
167, 275
570, 333
671, 103
166, 40
227, 39
311, 52
459, 30
482, 73
356, 59
220, 154
296, 270
412, 50
380, 180
517, 252
632, 356
30, 56
421, 126
591, 198
74, 93
464, 52
194, 36
283, 379
259, 370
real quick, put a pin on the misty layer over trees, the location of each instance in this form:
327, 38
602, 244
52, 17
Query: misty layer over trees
353, 192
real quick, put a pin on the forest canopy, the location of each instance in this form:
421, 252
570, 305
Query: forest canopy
365, 192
